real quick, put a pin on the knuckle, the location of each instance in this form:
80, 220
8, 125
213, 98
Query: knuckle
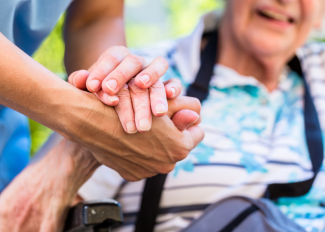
175, 104
136, 60
101, 71
181, 155
155, 73
107, 57
140, 106
163, 62
115, 48
124, 92
122, 48
196, 103
165, 169
158, 86
140, 93
121, 74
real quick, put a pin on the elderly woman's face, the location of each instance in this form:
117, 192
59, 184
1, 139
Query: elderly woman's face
271, 27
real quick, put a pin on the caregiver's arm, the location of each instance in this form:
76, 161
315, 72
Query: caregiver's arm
31, 89
91, 27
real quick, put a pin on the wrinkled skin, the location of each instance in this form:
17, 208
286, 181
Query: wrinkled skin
38, 198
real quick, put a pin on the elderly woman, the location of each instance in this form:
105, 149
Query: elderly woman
34, 199
253, 116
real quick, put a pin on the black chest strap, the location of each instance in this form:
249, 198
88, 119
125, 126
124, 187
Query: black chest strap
149, 208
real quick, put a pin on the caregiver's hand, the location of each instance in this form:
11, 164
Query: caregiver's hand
38, 198
144, 155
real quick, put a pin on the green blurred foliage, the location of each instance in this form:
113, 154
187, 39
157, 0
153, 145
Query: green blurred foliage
184, 15
50, 54
39, 134
181, 17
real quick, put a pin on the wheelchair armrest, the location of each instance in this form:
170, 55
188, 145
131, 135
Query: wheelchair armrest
93, 216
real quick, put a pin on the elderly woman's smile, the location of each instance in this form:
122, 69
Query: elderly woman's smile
258, 37
273, 15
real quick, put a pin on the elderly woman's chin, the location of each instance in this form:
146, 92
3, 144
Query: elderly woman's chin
270, 45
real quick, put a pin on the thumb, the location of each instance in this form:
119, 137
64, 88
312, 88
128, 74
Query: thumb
79, 78
185, 118
183, 103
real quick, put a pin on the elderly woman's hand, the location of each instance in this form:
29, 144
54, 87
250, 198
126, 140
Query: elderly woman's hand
39, 197
135, 98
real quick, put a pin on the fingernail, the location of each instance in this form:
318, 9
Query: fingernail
94, 85
74, 82
198, 117
145, 79
112, 99
111, 84
173, 91
144, 124
131, 128
160, 108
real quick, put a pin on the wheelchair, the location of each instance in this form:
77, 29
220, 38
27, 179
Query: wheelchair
86, 216
94, 216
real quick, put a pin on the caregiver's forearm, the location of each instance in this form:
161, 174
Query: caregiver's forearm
34, 91
91, 27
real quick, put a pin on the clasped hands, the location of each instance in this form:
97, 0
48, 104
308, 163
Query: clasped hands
123, 80
39, 197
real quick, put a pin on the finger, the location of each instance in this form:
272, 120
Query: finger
141, 107
79, 78
196, 134
107, 99
185, 118
152, 73
173, 88
125, 110
158, 99
70, 78
182, 103
104, 66
126, 70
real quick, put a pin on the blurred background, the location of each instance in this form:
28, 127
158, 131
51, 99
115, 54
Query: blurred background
146, 21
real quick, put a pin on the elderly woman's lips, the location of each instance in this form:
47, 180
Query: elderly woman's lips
275, 16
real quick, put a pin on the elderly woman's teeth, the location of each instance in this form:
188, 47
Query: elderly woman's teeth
274, 15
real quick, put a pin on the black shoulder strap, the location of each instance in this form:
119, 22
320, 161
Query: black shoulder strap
200, 88
151, 195
149, 208
314, 140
